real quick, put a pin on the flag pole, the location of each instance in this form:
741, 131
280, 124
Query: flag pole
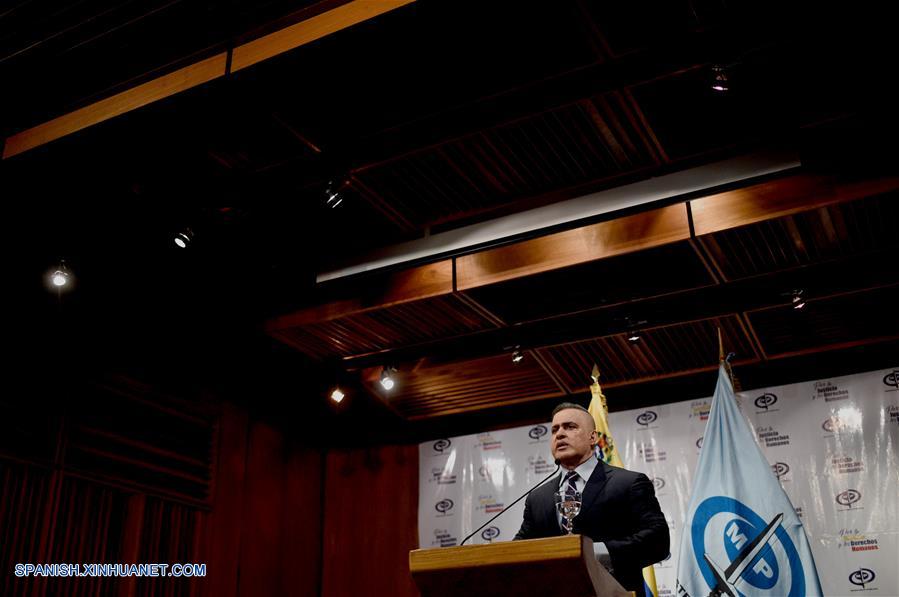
726, 361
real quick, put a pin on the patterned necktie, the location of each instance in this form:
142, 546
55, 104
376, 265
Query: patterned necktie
569, 483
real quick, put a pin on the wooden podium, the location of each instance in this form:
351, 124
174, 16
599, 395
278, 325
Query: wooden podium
556, 566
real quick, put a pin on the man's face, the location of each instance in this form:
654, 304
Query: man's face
573, 436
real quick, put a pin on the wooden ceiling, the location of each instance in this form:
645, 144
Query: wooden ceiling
674, 275
430, 116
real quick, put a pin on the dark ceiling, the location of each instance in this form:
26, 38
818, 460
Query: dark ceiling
430, 117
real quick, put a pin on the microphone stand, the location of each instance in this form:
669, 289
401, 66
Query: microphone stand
527, 493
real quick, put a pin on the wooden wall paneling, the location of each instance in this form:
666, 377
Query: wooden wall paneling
572, 247
222, 541
25, 495
261, 517
370, 522
300, 557
280, 536
131, 540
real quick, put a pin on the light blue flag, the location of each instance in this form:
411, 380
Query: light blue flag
742, 535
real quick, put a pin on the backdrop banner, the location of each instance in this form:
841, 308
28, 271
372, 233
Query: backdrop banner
833, 444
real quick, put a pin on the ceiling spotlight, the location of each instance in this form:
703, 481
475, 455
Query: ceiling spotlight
633, 336
60, 277
337, 395
387, 381
184, 238
720, 82
797, 300
333, 195
517, 356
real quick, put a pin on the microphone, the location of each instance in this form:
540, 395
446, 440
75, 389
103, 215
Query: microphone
527, 493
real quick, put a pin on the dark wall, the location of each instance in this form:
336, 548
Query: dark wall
371, 521
116, 471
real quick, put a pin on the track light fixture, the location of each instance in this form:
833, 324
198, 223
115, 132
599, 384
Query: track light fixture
184, 238
60, 278
633, 328
334, 194
517, 355
337, 395
720, 81
387, 380
797, 299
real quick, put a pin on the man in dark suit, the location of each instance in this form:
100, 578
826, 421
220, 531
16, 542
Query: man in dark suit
619, 510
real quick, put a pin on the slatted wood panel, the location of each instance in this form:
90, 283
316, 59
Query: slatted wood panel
430, 390
121, 438
843, 320
25, 498
822, 234
590, 140
662, 351
596, 284
390, 327
89, 527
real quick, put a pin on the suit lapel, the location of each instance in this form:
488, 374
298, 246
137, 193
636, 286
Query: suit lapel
594, 486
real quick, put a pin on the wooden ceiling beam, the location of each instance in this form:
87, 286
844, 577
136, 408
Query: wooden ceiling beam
309, 30
739, 296
778, 198
314, 27
131, 99
641, 231
426, 281
572, 247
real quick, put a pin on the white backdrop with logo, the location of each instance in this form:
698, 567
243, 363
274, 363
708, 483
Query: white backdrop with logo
833, 443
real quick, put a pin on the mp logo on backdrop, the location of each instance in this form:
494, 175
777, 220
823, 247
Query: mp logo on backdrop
780, 469
891, 380
765, 402
490, 533
444, 506
442, 445
538, 432
848, 498
724, 534
862, 578
646, 418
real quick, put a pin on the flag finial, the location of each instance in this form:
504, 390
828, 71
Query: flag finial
594, 375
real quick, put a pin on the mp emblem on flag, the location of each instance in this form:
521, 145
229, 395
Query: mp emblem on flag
742, 536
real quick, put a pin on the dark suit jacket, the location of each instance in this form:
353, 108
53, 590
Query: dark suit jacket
619, 508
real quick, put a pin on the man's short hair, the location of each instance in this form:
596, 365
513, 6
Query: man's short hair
572, 405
